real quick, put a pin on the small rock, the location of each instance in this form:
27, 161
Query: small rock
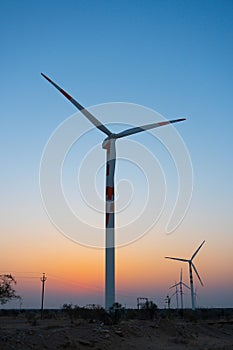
119, 332
85, 342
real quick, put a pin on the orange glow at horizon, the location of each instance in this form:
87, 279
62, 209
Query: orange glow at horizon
141, 268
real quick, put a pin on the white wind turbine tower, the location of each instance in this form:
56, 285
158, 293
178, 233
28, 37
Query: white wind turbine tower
195, 296
191, 266
109, 145
181, 284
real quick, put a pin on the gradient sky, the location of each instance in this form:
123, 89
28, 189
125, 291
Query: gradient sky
174, 57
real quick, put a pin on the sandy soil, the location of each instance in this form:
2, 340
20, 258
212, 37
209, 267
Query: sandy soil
20, 333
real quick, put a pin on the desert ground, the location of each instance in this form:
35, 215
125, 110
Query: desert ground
26, 330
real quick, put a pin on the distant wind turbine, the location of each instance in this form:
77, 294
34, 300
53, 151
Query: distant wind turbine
191, 266
181, 284
109, 145
176, 294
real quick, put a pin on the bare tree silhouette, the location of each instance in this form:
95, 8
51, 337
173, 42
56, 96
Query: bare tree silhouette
7, 291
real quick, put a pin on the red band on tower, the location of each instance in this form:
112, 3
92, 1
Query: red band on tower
109, 192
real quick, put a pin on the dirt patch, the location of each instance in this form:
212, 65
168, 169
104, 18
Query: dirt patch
177, 334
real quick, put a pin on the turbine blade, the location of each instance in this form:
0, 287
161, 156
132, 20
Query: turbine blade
197, 274
173, 294
174, 285
84, 111
184, 284
193, 256
138, 129
181, 275
179, 259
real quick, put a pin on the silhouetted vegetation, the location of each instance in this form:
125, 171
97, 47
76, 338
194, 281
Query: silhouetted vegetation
95, 313
7, 291
89, 312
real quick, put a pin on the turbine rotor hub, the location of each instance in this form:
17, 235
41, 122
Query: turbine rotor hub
107, 142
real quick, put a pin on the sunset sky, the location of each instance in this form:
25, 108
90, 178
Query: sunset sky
171, 57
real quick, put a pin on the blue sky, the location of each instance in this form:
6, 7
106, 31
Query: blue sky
171, 56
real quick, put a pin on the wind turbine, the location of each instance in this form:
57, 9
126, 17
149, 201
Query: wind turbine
176, 294
109, 145
191, 266
180, 284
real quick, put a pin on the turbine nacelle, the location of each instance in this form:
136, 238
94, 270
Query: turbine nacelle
109, 142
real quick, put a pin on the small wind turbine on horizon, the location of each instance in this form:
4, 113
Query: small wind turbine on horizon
191, 267
180, 284
109, 144
176, 294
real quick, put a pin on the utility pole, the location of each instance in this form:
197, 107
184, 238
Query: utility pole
43, 279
